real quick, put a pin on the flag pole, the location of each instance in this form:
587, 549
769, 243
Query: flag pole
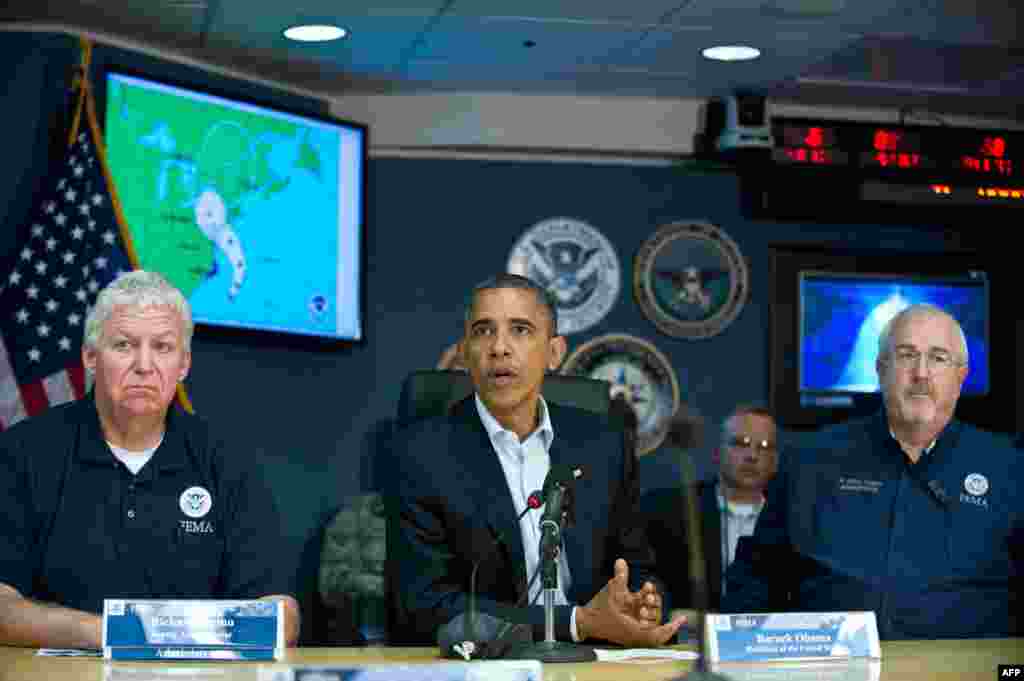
78, 85
86, 102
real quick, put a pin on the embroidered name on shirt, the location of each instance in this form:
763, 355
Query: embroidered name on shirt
196, 526
859, 485
973, 500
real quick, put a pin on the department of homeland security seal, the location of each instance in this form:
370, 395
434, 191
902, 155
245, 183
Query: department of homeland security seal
195, 502
637, 370
690, 279
576, 263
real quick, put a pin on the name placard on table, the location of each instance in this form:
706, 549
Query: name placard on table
764, 637
164, 630
478, 670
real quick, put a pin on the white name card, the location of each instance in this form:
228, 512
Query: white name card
193, 630
478, 670
770, 637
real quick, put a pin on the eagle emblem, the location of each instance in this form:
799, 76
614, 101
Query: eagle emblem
576, 263
195, 502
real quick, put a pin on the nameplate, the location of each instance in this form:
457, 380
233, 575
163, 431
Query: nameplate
480, 670
791, 636
215, 630
851, 669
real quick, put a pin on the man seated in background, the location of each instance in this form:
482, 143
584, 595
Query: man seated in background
909, 513
118, 496
728, 506
461, 480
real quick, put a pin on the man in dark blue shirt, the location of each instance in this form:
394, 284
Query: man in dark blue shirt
909, 513
118, 496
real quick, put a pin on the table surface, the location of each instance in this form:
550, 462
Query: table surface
901, 661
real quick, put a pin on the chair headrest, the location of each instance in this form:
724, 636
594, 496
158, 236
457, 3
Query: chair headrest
430, 392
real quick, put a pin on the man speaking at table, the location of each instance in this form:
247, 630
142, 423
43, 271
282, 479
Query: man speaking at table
909, 513
460, 481
119, 496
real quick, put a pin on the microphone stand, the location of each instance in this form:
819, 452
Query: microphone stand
469, 628
550, 650
698, 571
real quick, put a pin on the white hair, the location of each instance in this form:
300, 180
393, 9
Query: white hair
922, 310
138, 288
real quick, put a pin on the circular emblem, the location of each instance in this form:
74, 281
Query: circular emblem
637, 370
318, 305
976, 484
576, 263
690, 279
195, 502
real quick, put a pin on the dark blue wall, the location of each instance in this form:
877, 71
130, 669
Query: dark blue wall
312, 418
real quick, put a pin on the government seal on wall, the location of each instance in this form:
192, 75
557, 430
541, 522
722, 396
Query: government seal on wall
576, 263
637, 370
690, 279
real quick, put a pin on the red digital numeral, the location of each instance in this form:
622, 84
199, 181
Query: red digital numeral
994, 146
815, 137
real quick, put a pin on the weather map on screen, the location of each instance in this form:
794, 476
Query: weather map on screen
254, 213
842, 316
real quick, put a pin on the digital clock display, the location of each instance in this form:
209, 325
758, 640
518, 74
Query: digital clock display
825, 157
810, 144
895, 148
988, 154
809, 136
922, 152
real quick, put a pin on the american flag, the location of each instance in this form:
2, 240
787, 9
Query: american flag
70, 249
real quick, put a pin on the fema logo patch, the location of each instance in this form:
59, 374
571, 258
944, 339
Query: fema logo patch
195, 502
690, 279
576, 263
976, 484
637, 370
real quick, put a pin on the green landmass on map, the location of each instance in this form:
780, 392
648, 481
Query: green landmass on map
308, 159
191, 147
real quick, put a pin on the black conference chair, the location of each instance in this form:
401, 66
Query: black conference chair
431, 392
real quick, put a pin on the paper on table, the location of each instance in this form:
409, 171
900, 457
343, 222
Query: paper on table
652, 654
68, 652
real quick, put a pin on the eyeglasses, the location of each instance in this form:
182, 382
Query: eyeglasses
936, 360
745, 442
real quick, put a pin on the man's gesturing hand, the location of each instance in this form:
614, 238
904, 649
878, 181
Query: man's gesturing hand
628, 618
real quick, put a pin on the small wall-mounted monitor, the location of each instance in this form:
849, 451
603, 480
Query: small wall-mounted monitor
842, 315
256, 213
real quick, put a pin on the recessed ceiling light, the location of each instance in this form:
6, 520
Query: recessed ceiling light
731, 53
315, 33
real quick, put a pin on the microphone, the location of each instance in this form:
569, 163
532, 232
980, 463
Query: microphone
557, 499
557, 495
551, 536
681, 432
557, 509
561, 475
459, 637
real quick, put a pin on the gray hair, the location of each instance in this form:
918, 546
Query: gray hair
922, 310
755, 409
509, 280
138, 288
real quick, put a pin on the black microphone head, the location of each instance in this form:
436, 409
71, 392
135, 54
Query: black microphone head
561, 474
493, 636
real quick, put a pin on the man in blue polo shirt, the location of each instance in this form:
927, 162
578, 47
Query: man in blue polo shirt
909, 513
117, 495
